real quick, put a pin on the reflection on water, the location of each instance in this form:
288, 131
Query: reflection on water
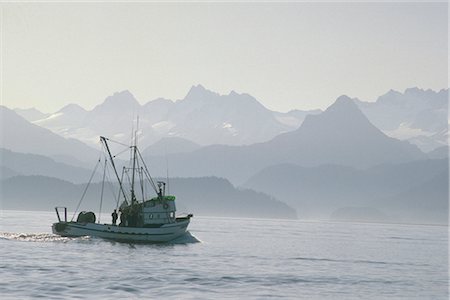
33, 237
187, 238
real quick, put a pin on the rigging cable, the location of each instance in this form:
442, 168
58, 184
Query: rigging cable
85, 190
141, 175
103, 139
141, 178
108, 139
126, 171
101, 195
118, 198
109, 181
147, 172
120, 152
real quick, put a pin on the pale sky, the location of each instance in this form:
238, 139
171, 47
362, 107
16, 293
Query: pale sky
286, 55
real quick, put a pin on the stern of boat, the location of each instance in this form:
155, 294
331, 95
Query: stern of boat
60, 227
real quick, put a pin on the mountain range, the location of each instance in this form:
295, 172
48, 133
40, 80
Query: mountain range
340, 135
206, 118
203, 117
336, 163
202, 196
417, 115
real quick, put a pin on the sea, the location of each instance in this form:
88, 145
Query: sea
227, 258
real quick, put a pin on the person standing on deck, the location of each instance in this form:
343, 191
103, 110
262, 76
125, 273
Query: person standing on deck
114, 217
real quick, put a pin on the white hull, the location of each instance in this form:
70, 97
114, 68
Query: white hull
165, 233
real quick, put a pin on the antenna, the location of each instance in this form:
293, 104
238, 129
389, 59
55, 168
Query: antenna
133, 197
131, 138
137, 130
167, 174
167, 166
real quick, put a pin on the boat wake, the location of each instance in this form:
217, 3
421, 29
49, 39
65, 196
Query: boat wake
187, 238
34, 237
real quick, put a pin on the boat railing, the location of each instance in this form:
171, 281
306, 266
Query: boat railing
57, 213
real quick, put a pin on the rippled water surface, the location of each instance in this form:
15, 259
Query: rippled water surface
227, 258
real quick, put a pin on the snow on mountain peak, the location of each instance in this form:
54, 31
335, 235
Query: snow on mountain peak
30, 114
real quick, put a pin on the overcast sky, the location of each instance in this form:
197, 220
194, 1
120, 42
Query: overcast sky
287, 55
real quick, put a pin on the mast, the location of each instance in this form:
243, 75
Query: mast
103, 139
167, 174
133, 197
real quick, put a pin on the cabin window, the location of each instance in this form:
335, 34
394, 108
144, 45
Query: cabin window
150, 216
172, 214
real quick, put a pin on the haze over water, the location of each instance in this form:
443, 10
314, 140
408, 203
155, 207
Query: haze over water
227, 258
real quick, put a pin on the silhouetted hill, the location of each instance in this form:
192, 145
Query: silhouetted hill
359, 214
422, 203
218, 197
200, 196
32, 164
38, 193
6, 172
317, 192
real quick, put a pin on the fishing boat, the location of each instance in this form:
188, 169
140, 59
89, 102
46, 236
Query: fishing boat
143, 218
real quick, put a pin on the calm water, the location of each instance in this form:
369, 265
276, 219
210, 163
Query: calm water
227, 258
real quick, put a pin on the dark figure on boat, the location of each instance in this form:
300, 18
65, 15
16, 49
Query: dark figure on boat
114, 216
123, 218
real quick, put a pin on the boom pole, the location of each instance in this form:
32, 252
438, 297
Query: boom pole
103, 139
